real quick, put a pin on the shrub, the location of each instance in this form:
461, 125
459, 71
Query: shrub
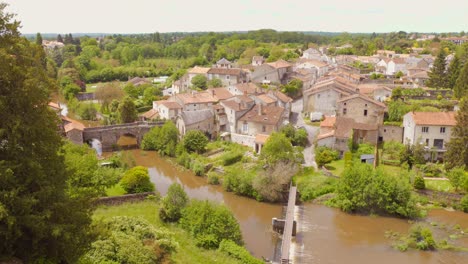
419, 183
325, 155
184, 160
231, 158
422, 238
195, 141
137, 180
269, 185
363, 189
210, 223
464, 204
198, 168
432, 170
173, 203
239, 181
213, 178
238, 252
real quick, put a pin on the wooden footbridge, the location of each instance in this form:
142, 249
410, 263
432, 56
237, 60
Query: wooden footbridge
287, 226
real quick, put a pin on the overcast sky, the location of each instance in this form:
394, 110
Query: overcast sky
144, 16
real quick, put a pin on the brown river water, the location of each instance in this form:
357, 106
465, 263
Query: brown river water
325, 235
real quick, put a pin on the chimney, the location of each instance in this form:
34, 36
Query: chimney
260, 110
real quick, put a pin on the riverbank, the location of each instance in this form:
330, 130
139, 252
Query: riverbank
148, 210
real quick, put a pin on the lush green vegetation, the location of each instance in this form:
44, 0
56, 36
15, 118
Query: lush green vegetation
313, 184
173, 203
187, 251
136, 180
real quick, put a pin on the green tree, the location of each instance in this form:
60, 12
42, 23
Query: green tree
215, 82
457, 147
137, 180
163, 139
277, 148
461, 85
195, 141
419, 183
199, 81
396, 110
293, 88
172, 205
210, 223
454, 71
59, 38
127, 111
324, 155
40, 222
399, 74
363, 189
438, 75
39, 39
392, 150
458, 177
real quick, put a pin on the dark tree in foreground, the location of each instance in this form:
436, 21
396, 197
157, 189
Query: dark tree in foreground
40, 219
457, 148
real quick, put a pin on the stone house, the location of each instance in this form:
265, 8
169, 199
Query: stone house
320, 67
260, 140
260, 120
322, 97
382, 65
137, 81
202, 120
244, 88
335, 133
167, 109
361, 108
396, 65
258, 60
227, 76
220, 119
194, 101
283, 101
382, 93
433, 129
149, 115
419, 78
234, 109
220, 93
197, 70
386, 53
273, 72
390, 133
73, 130
223, 63
312, 54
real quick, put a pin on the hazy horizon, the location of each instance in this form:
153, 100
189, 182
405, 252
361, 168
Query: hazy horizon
145, 16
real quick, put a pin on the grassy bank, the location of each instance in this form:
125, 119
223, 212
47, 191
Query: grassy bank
187, 252
312, 184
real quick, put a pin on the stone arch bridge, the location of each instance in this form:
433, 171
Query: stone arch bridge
109, 135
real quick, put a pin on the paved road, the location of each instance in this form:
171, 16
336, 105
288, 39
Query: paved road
312, 131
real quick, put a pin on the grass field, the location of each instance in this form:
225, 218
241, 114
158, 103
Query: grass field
439, 185
187, 253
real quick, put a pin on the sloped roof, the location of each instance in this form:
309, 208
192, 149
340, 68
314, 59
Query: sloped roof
282, 97
266, 99
329, 121
220, 93
72, 124
271, 115
196, 98
223, 61
280, 64
231, 104
193, 117
355, 96
434, 118
151, 114
54, 106
250, 88
199, 70
170, 104
261, 138
224, 71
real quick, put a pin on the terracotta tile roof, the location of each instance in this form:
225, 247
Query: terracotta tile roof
434, 118
244, 98
151, 114
261, 138
170, 104
231, 104
220, 93
329, 121
196, 98
250, 88
280, 64
72, 124
271, 115
317, 63
199, 70
421, 75
355, 96
282, 97
343, 127
326, 135
398, 61
224, 71
54, 106
266, 99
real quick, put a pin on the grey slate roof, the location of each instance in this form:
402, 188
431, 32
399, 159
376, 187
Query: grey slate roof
193, 117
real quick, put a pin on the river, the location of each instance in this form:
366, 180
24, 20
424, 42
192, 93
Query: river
325, 235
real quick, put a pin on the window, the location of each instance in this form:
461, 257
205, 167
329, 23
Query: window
439, 143
442, 130
365, 105
245, 127
365, 112
318, 95
344, 103
425, 129
263, 128
227, 77
344, 111
427, 142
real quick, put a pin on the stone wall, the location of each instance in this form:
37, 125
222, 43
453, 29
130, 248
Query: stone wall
243, 139
115, 200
